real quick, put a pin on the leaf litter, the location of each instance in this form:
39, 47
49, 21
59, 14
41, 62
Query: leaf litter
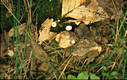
89, 46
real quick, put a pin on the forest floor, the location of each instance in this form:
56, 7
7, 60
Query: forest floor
22, 57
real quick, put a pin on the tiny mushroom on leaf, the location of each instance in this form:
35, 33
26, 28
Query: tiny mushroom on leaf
85, 46
66, 39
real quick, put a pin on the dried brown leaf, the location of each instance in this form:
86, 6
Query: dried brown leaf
66, 39
85, 46
69, 5
90, 11
44, 32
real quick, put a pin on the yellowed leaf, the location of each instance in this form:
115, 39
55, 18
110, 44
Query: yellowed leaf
90, 11
44, 32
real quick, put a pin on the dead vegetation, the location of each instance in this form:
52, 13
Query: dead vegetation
98, 44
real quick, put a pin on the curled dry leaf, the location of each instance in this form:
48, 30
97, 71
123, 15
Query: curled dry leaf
90, 11
66, 39
21, 29
44, 31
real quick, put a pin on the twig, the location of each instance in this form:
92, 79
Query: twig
64, 68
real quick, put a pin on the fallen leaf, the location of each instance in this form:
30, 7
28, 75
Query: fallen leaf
21, 29
90, 11
84, 46
44, 31
66, 39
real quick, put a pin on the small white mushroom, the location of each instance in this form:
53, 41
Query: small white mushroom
54, 24
73, 41
68, 28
